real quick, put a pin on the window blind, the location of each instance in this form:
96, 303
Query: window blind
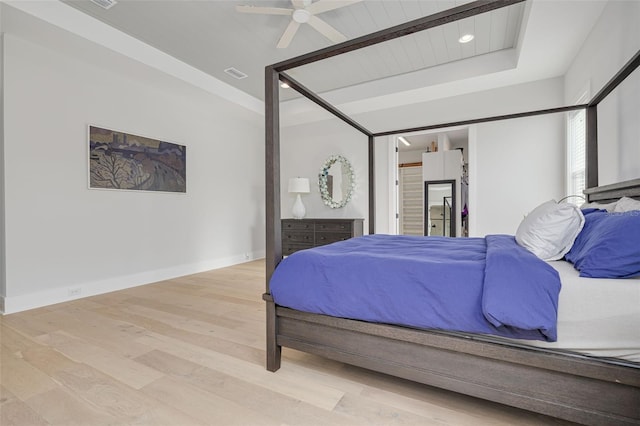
576, 153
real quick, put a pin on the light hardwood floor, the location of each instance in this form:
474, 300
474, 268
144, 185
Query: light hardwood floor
190, 351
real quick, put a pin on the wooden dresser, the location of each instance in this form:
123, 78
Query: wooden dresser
299, 234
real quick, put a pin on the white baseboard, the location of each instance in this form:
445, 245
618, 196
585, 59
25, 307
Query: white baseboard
13, 304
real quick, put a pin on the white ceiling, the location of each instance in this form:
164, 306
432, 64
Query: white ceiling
212, 36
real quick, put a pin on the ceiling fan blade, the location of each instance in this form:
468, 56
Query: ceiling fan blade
300, 4
264, 10
288, 34
327, 5
326, 30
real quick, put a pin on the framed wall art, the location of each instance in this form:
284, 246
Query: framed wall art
119, 160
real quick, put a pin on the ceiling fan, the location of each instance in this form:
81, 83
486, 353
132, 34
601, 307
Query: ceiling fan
303, 12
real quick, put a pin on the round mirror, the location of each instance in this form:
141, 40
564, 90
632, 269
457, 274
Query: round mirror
336, 181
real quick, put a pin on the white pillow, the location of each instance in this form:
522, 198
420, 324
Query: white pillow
626, 204
550, 229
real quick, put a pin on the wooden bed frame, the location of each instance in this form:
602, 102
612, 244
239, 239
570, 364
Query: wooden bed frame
565, 385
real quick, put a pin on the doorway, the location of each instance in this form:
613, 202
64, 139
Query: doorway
410, 214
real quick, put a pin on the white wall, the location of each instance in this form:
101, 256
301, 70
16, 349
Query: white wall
62, 236
303, 151
385, 174
514, 165
414, 156
612, 42
619, 133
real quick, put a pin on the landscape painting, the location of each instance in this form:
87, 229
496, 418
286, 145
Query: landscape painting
119, 160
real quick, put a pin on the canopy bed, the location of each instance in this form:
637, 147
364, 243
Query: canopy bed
560, 383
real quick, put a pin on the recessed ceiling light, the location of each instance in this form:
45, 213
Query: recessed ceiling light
284, 85
404, 141
466, 38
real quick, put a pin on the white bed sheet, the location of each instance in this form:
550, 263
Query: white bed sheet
597, 316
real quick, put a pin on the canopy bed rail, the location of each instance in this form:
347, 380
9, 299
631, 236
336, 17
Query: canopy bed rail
579, 388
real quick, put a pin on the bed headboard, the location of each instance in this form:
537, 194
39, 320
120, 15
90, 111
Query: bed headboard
613, 192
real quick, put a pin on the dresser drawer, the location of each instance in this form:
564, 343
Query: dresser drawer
296, 225
323, 238
297, 237
333, 226
300, 234
289, 248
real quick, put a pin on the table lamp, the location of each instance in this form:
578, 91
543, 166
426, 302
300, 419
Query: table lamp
298, 186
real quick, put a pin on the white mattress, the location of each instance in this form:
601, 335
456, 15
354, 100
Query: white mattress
597, 316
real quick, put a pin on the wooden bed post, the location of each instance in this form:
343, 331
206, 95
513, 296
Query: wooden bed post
272, 201
372, 187
591, 162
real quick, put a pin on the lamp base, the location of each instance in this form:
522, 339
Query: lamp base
298, 210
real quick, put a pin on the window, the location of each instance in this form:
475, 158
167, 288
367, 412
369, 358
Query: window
576, 152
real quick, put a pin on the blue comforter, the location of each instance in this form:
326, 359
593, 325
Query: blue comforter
479, 285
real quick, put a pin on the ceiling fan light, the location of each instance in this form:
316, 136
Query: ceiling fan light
301, 16
466, 38
284, 85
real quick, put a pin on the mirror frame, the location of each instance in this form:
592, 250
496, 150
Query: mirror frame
452, 224
323, 181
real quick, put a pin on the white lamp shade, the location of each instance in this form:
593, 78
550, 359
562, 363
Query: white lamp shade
299, 185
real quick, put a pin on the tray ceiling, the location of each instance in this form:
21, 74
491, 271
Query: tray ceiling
212, 36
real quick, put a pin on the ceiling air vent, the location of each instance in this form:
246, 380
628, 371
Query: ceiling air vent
105, 4
236, 73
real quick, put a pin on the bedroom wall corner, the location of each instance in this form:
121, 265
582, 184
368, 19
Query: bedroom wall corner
64, 240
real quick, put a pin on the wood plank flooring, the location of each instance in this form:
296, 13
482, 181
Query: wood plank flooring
190, 351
